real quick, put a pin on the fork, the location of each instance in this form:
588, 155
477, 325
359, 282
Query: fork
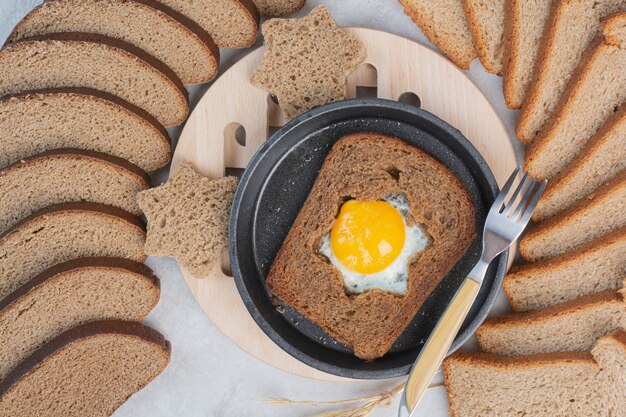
505, 222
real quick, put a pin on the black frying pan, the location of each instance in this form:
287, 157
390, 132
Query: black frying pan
274, 187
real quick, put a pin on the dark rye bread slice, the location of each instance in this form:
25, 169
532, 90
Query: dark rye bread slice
602, 158
573, 384
231, 23
525, 21
98, 62
572, 25
63, 232
370, 166
41, 120
68, 175
89, 370
167, 35
70, 294
486, 23
594, 216
445, 25
599, 265
568, 327
594, 93
278, 7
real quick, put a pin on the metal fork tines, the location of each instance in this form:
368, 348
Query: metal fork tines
510, 212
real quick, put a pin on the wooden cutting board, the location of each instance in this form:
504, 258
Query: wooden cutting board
234, 118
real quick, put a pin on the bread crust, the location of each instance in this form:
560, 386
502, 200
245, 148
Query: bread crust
462, 62
131, 51
510, 59
75, 335
479, 41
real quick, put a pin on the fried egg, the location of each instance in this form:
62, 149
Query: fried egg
371, 243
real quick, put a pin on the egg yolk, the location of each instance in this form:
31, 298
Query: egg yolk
368, 235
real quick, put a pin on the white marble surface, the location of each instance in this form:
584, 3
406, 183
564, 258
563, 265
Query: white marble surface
208, 374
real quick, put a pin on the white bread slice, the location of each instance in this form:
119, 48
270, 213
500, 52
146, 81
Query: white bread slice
68, 175
525, 21
445, 25
573, 24
42, 120
64, 232
97, 62
590, 218
486, 23
278, 7
167, 35
568, 327
89, 370
231, 23
70, 294
594, 93
602, 158
573, 384
599, 265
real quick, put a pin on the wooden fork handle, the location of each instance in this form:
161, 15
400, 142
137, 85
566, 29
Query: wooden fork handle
439, 342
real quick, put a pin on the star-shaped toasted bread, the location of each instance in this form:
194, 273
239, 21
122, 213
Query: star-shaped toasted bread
188, 218
307, 61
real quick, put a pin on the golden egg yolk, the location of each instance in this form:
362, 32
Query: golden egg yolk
368, 235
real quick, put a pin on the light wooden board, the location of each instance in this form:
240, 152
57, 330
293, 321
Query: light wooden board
394, 66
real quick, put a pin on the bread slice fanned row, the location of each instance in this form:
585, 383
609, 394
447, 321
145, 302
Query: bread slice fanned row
70, 294
590, 218
596, 266
568, 327
231, 23
524, 22
42, 120
68, 175
602, 158
594, 93
89, 370
486, 23
444, 24
278, 7
63, 232
569, 30
569, 384
170, 37
97, 62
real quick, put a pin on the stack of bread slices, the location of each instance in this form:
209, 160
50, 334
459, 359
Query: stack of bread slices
87, 90
564, 67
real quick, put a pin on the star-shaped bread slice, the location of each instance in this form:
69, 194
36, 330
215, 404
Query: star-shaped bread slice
188, 218
307, 61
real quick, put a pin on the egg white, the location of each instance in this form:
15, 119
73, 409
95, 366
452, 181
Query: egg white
394, 278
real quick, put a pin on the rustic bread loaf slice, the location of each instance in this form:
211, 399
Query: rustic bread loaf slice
89, 370
573, 24
188, 218
68, 175
98, 62
574, 384
590, 218
594, 93
445, 25
70, 294
568, 327
486, 23
602, 158
525, 21
170, 37
278, 7
599, 265
41, 120
307, 61
63, 232
371, 166
231, 23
